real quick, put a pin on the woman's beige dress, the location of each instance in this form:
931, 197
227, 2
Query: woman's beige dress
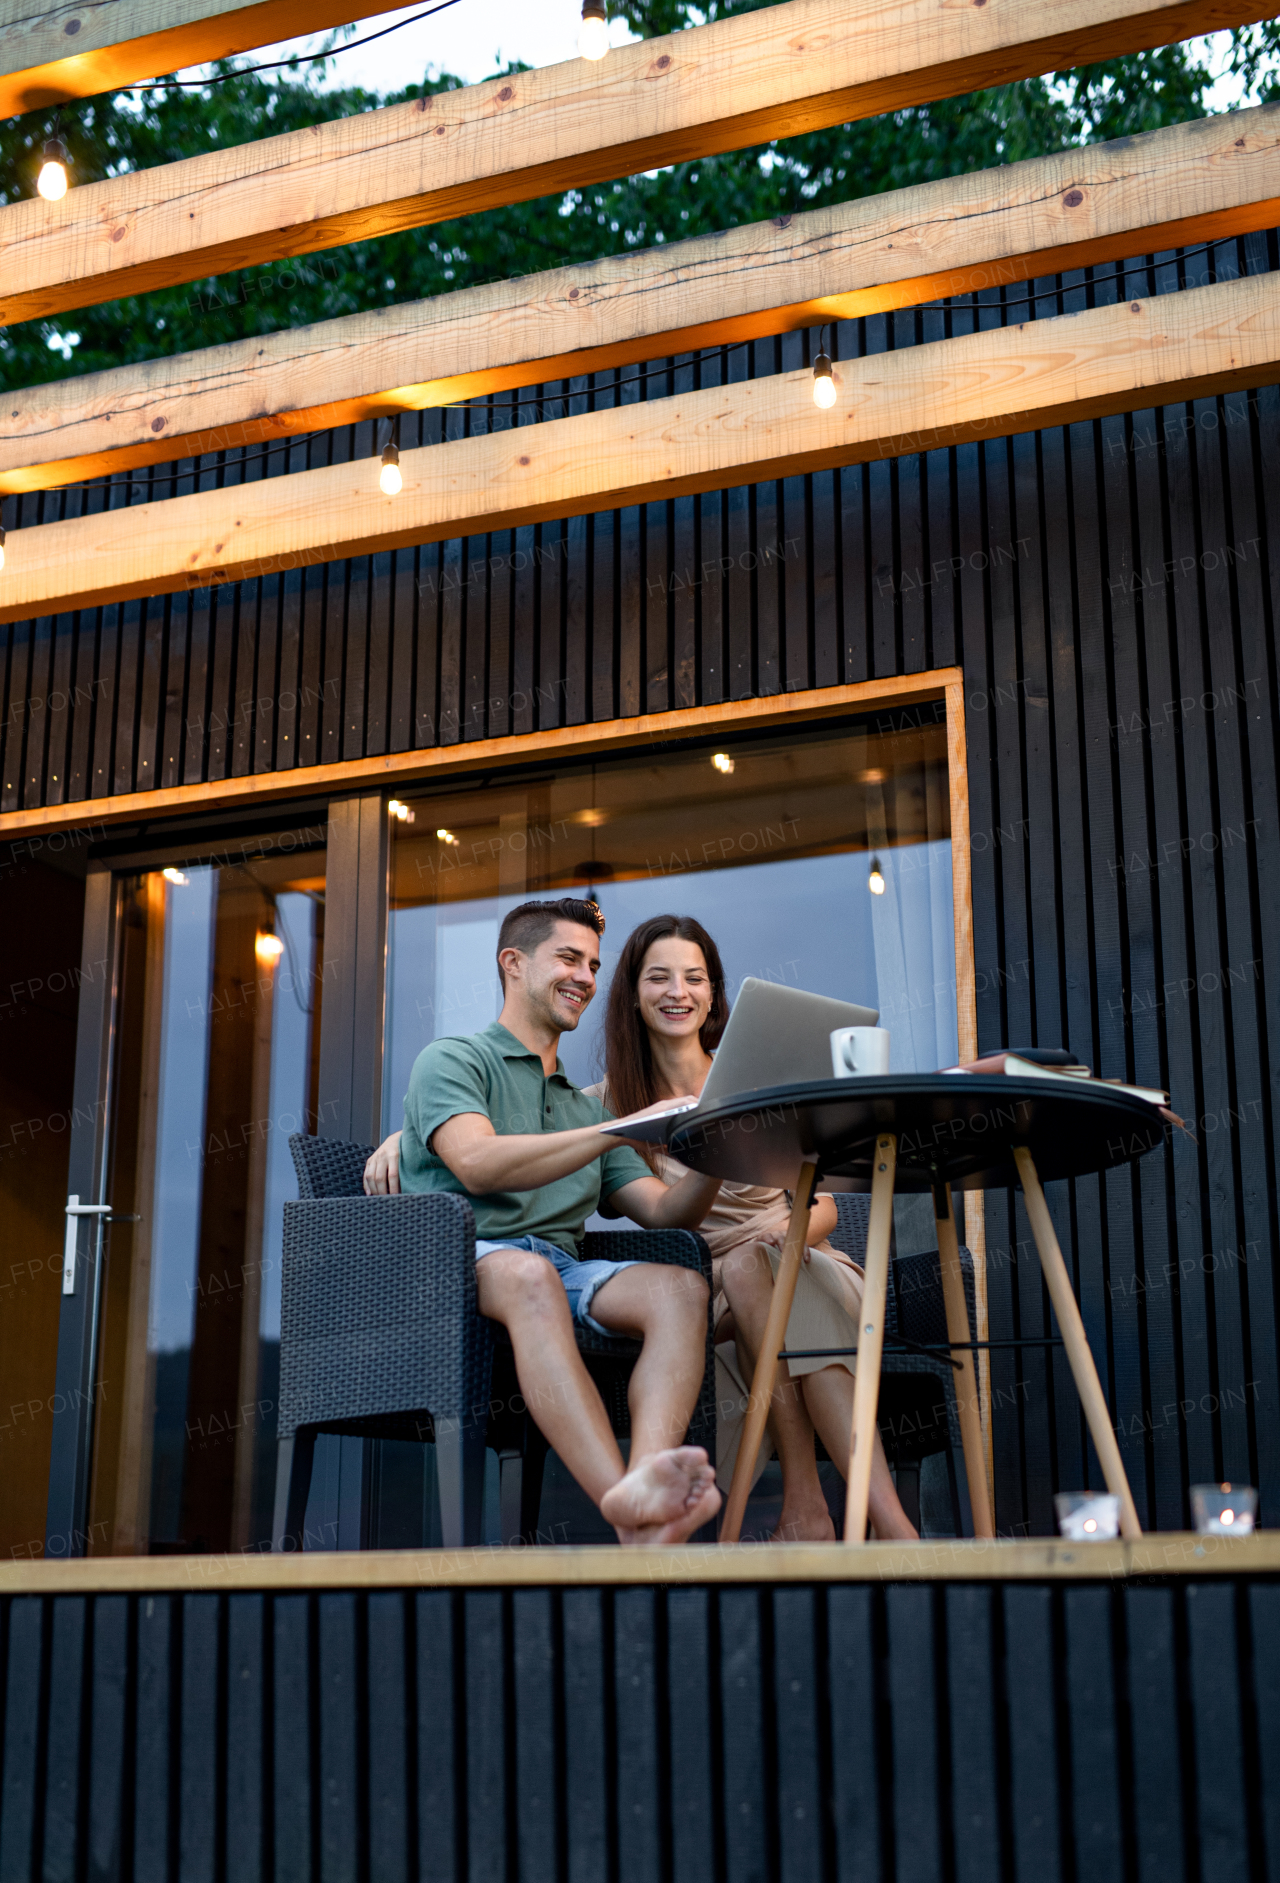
825, 1312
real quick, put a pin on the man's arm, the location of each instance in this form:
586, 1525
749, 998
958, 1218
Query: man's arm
656, 1205
483, 1160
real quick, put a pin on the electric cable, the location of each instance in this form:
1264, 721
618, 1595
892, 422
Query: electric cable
484, 402
298, 58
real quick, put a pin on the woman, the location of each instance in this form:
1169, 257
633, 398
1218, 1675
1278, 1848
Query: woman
667, 1010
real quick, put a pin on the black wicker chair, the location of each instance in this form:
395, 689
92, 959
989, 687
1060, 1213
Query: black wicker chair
918, 1414
380, 1337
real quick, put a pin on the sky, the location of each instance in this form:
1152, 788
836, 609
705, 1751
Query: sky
473, 41
466, 38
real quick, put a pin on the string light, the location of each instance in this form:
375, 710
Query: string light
723, 763
390, 481
824, 386
175, 876
446, 836
875, 882
399, 811
593, 34
268, 948
52, 180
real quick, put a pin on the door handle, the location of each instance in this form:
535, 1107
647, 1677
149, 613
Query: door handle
76, 1209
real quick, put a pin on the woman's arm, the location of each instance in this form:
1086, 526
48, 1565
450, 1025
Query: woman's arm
382, 1172
823, 1218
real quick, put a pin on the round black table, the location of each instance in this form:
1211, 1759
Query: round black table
920, 1132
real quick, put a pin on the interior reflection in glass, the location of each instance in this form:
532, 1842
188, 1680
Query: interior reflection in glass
770, 842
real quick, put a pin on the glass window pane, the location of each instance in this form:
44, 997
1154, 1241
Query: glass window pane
777, 844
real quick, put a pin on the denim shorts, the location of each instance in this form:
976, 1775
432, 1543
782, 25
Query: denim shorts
581, 1279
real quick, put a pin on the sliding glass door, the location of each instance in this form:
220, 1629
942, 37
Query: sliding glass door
214, 1060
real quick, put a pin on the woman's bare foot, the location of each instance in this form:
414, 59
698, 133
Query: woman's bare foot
663, 1498
808, 1523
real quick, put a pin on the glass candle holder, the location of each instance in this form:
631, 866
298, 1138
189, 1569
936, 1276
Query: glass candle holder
1224, 1509
1087, 1516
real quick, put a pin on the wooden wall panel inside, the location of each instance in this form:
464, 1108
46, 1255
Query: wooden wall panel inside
702, 1735
1110, 592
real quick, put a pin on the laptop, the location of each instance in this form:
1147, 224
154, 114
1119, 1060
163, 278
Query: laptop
775, 1036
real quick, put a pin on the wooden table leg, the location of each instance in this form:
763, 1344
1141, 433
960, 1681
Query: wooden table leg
766, 1369
1074, 1339
966, 1381
866, 1383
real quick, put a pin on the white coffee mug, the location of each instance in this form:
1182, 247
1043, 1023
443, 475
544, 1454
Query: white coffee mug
859, 1051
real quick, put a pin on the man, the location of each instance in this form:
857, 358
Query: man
493, 1118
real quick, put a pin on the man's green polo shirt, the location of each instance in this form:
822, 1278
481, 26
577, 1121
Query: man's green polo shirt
494, 1073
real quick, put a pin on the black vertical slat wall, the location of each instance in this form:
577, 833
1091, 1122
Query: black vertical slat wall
961, 1732
1109, 590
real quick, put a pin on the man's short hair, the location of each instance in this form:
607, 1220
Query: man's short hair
527, 926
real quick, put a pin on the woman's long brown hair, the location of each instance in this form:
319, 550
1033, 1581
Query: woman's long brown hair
628, 1062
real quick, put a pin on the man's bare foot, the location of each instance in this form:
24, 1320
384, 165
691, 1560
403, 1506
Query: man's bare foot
664, 1498
810, 1524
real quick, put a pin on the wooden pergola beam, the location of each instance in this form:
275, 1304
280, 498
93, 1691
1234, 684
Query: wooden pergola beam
744, 80
52, 52
1221, 175
984, 385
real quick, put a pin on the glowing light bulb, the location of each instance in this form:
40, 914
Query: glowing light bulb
875, 882
399, 811
446, 836
1228, 1516
723, 763
52, 180
824, 386
389, 479
268, 948
1090, 1524
175, 876
593, 35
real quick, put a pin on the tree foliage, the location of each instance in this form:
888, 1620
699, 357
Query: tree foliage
114, 134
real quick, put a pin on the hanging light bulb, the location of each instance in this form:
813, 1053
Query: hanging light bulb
52, 180
390, 481
268, 948
824, 386
172, 875
2, 534
875, 882
593, 34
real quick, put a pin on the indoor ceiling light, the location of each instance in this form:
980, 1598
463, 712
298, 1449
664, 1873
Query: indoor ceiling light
52, 180
824, 386
593, 34
875, 882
